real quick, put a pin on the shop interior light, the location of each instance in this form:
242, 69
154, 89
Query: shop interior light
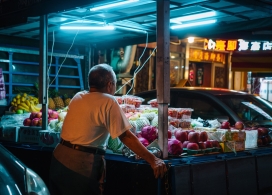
191, 39
193, 17
193, 24
87, 27
112, 5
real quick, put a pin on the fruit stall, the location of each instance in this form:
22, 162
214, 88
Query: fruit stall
196, 148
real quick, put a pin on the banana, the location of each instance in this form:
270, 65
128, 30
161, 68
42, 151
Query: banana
23, 108
27, 102
24, 105
33, 108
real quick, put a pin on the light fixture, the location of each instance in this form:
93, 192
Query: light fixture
193, 24
191, 39
112, 5
87, 27
131, 29
194, 17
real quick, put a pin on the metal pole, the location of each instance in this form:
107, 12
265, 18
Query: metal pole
163, 72
43, 74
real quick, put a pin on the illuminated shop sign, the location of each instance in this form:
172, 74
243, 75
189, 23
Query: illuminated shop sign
211, 56
237, 45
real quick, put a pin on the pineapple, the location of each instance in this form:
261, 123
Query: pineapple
51, 104
66, 100
57, 99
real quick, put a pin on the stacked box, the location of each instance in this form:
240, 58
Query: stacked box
29, 134
48, 138
233, 146
9, 133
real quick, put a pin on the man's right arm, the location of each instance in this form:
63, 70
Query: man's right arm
131, 141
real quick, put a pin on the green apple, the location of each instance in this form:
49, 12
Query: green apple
19, 111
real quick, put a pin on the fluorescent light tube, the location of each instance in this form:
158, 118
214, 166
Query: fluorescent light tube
194, 17
193, 24
112, 5
131, 29
87, 27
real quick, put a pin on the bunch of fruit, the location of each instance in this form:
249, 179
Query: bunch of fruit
35, 118
24, 103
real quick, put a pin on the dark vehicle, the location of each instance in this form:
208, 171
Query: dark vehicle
217, 103
16, 178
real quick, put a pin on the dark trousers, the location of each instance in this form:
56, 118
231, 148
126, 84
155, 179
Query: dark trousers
74, 172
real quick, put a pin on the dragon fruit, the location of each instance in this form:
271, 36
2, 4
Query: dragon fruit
143, 141
149, 132
174, 147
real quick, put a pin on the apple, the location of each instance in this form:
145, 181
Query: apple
208, 143
27, 122
33, 115
239, 125
225, 125
259, 142
38, 115
192, 146
203, 136
181, 135
215, 144
264, 140
262, 131
201, 145
169, 134
40, 122
54, 115
35, 122
193, 137
184, 144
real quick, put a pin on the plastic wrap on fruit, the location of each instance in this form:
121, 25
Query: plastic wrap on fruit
58, 126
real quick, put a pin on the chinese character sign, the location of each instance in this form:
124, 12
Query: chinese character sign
237, 45
210, 56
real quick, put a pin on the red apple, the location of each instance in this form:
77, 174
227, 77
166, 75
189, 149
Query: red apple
33, 115
201, 145
40, 122
169, 134
203, 136
264, 140
225, 125
215, 144
208, 143
193, 137
35, 122
38, 115
192, 146
181, 135
184, 144
27, 122
54, 115
259, 142
239, 125
262, 131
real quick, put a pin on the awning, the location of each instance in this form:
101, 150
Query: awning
252, 61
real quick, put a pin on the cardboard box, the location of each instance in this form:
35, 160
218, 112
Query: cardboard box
233, 146
9, 133
49, 138
29, 134
251, 139
235, 135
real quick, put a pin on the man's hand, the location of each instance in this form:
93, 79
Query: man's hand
159, 168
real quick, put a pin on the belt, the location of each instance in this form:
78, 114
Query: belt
82, 148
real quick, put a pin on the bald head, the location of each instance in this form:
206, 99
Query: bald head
100, 75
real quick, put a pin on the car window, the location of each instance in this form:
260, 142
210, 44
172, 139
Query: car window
204, 107
248, 108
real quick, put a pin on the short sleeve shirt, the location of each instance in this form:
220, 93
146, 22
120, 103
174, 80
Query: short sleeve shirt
91, 118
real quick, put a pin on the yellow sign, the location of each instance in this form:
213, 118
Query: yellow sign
200, 55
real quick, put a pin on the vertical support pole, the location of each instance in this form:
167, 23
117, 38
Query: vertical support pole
186, 66
88, 64
230, 75
10, 76
43, 73
163, 72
